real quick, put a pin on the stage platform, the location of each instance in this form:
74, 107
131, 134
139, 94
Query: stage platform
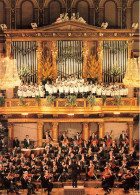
69, 190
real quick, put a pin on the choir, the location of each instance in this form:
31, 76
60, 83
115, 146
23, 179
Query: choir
71, 86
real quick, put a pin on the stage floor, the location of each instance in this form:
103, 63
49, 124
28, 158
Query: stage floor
88, 191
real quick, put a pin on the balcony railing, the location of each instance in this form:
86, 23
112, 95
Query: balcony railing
31, 102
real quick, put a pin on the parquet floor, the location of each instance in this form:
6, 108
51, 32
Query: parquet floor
88, 191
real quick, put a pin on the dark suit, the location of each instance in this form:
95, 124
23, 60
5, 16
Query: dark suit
26, 143
74, 174
15, 143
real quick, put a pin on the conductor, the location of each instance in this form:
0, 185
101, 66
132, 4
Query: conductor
74, 174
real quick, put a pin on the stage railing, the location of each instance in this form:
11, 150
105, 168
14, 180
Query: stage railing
80, 102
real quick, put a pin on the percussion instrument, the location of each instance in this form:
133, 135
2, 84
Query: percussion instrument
26, 152
36, 151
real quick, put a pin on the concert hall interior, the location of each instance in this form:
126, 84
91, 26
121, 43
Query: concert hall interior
69, 97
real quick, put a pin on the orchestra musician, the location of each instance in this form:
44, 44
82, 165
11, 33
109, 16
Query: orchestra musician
123, 137
27, 142
26, 181
47, 136
46, 181
10, 184
128, 180
15, 143
108, 179
74, 167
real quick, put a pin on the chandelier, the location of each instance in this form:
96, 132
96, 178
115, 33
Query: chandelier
10, 79
132, 77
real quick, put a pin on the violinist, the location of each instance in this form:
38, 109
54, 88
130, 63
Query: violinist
128, 180
94, 146
47, 137
46, 181
9, 183
26, 181
108, 179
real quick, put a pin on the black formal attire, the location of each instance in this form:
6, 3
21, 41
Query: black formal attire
15, 143
27, 143
46, 184
74, 174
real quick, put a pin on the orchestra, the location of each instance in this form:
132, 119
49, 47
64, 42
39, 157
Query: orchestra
53, 163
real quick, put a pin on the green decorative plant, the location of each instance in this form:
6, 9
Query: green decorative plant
25, 73
50, 99
37, 98
2, 101
71, 101
91, 100
116, 71
21, 101
103, 98
117, 99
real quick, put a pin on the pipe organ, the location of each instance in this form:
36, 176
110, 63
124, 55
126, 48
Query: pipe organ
25, 54
115, 53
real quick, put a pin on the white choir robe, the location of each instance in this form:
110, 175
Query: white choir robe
21, 87
85, 88
26, 86
40, 87
121, 92
76, 89
81, 89
90, 87
31, 86
20, 93
50, 90
71, 90
24, 93
47, 87
108, 92
61, 89
36, 92
54, 89
78, 83
33, 94
103, 91
98, 91
125, 91
42, 93
112, 93
116, 92
93, 89
29, 93
66, 89
82, 81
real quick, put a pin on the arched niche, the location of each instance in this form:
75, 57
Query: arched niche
47, 2
135, 11
83, 8
102, 3
110, 13
90, 3
2, 12
27, 13
54, 11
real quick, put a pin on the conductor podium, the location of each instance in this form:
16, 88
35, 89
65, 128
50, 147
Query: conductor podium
69, 190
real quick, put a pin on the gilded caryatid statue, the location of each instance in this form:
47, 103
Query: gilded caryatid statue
85, 51
54, 51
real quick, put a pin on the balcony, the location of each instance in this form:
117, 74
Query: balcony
30, 106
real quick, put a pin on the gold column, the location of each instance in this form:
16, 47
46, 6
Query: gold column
100, 56
101, 130
85, 51
39, 133
130, 44
8, 48
39, 52
54, 51
130, 128
55, 132
85, 131
10, 134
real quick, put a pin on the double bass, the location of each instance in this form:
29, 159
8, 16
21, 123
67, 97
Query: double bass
109, 140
